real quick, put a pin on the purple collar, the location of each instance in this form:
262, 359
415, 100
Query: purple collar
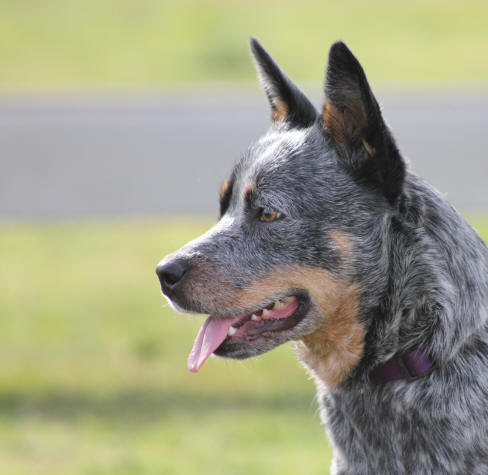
409, 366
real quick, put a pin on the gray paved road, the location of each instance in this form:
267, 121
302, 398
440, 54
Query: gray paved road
99, 156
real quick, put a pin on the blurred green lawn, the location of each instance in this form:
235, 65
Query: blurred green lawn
93, 376
68, 43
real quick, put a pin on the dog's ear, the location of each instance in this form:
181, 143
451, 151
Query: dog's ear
288, 104
353, 121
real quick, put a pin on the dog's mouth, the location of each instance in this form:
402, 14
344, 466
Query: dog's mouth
245, 330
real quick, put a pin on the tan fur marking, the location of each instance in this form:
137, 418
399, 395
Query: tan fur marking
342, 242
369, 148
279, 110
334, 123
336, 348
250, 187
343, 124
224, 189
330, 352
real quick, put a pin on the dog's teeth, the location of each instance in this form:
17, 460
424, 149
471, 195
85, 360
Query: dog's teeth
255, 317
287, 299
278, 304
231, 331
266, 313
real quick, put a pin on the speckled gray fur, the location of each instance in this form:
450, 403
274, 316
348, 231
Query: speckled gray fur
421, 268
436, 276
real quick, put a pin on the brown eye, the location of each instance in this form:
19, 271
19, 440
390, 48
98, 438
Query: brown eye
268, 214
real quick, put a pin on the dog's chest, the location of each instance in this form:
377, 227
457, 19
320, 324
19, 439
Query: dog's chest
374, 435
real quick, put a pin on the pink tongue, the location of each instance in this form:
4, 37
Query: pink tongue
209, 338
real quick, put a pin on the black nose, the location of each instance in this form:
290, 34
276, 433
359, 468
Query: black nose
171, 274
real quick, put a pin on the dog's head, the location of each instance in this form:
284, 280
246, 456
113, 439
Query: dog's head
300, 225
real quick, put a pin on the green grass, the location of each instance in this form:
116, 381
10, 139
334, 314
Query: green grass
75, 43
93, 376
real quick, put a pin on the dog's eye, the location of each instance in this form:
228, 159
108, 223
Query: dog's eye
268, 214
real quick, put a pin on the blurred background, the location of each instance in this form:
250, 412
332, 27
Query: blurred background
118, 121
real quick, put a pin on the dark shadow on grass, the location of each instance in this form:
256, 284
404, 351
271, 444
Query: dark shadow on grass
140, 405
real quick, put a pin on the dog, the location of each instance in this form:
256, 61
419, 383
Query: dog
326, 239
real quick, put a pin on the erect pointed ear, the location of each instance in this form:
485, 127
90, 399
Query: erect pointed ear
353, 121
288, 104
